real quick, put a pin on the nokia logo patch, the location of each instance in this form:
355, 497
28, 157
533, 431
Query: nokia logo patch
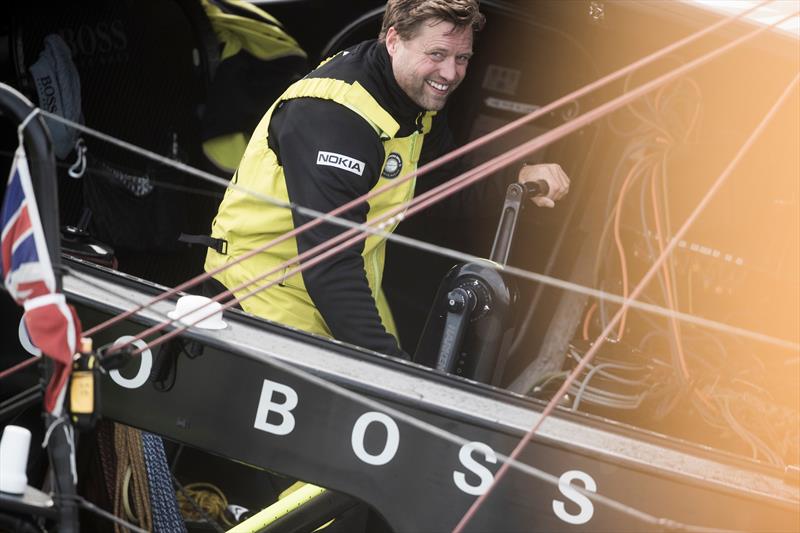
393, 166
344, 162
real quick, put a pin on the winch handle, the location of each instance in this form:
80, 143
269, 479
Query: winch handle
536, 188
515, 195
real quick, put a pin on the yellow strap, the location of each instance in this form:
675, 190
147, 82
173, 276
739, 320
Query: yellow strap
427, 121
354, 96
282, 507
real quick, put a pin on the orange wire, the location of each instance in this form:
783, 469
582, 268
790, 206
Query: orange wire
589, 314
618, 239
665, 271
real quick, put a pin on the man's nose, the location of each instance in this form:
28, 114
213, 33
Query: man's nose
448, 69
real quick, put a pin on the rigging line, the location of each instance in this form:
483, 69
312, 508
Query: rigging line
156, 182
316, 216
106, 175
456, 439
24, 124
19, 366
448, 436
550, 136
635, 294
590, 495
460, 256
89, 506
521, 273
530, 276
422, 170
89, 281
451, 437
438, 431
464, 180
471, 176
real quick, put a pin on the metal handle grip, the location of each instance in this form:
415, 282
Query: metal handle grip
536, 188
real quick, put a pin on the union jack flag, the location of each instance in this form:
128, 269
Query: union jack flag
28, 276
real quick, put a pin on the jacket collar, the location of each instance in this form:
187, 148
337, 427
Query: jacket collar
389, 94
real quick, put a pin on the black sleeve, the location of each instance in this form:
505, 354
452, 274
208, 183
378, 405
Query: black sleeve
480, 200
438, 143
300, 130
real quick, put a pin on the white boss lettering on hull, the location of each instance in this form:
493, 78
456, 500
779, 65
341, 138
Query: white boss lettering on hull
584, 504
392, 438
267, 404
145, 364
284, 409
465, 456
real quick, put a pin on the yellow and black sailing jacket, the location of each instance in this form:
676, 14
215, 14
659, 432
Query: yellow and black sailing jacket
257, 60
342, 131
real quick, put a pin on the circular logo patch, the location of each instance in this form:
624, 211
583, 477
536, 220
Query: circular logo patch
393, 166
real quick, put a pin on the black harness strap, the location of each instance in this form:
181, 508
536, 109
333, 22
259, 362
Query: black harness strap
218, 245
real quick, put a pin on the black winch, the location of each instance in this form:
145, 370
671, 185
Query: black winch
471, 321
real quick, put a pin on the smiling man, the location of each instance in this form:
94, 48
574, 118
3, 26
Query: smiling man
363, 118
428, 60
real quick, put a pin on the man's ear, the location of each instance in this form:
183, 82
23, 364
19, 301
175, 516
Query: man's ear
392, 39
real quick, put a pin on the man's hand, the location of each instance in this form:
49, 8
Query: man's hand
551, 173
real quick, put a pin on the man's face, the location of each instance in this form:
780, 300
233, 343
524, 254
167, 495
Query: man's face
430, 65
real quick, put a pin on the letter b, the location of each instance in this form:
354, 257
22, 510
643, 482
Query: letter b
266, 406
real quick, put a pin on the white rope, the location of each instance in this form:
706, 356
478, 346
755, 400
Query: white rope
440, 250
408, 419
24, 124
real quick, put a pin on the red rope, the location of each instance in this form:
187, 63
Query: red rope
19, 366
451, 187
634, 295
436, 163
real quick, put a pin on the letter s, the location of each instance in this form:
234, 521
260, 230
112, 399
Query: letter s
585, 504
118, 31
266, 405
465, 456
104, 39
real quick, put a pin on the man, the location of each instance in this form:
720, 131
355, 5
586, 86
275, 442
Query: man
355, 123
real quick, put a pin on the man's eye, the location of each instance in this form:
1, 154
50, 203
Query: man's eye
462, 60
437, 55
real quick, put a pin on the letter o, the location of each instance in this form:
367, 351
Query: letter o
392, 438
145, 365
86, 40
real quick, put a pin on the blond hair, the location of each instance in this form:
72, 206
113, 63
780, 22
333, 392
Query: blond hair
406, 15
